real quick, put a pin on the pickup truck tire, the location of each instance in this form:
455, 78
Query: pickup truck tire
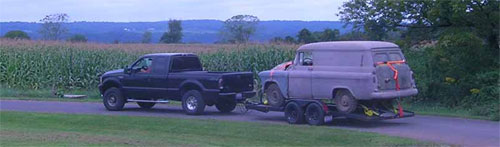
225, 105
146, 105
314, 114
274, 96
294, 113
192, 103
113, 99
345, 102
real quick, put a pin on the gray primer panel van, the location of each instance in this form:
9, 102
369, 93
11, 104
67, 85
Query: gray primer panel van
344, 71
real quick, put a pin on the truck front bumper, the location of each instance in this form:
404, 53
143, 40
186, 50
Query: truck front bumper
394, 94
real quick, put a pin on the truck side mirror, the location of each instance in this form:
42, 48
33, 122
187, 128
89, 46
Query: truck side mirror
126, 69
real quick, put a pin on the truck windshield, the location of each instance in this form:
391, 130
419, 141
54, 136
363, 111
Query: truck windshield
186, 64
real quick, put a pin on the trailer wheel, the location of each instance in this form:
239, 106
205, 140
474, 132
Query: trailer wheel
193, 103
294, 113
274, 96
315, 114
345, 102
146, 105
113, 99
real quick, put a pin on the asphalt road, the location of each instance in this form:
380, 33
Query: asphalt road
456, 131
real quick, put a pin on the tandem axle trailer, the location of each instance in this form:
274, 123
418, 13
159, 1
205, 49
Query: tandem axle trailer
313, 112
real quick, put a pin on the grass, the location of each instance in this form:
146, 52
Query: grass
40, 129
437, 110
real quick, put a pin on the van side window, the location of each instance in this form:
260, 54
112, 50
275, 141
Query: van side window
305, 58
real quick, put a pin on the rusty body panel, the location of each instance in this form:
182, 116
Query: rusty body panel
321, 69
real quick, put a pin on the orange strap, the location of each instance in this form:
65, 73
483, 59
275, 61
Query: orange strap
395, 77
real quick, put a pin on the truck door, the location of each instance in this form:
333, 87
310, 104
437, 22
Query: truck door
158, 78
136, 84
299, 80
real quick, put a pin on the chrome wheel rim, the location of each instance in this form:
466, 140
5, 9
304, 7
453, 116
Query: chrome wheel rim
191, 103
112, 100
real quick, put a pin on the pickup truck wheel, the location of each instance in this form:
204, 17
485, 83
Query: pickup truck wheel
193, 103
345, 102
274, 96
113, 99
146, 105
226, 105
314, 114
294, 113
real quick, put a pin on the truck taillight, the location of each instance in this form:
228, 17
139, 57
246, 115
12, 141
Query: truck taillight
221, 84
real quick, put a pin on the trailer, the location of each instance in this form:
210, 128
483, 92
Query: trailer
313, 111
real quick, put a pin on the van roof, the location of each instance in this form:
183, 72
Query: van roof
347, 45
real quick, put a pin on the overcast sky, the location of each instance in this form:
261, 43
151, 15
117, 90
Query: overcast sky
160, 10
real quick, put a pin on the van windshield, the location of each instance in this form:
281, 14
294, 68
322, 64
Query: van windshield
387, 56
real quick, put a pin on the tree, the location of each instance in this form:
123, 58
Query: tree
305, 36
16, 34
53, 26
239, 28
329, 35
378, 17
174, 33
146, 37
277, 40
290, 40
77, 38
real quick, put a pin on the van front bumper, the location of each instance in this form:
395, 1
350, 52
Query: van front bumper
394, 94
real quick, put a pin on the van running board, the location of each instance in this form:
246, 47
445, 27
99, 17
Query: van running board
150, 101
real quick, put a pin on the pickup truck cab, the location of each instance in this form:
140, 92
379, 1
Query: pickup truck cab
156, 78
346, 72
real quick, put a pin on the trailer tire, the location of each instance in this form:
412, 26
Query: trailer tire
345, 102
146, 105
193, 103
113, 99
314, 114
294, 113
274, 96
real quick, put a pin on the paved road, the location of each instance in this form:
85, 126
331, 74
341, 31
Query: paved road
456, 131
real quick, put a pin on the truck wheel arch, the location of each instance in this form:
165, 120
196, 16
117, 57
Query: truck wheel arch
110, 83
337, 89
186, 86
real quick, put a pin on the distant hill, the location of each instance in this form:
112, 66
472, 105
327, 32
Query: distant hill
195, 31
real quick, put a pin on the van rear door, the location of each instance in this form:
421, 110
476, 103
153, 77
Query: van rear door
384, 73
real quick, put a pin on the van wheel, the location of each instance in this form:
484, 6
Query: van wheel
225, 105
345, 102
113, 99
193, 103
315, 114
294, 113
146, 105
274, 96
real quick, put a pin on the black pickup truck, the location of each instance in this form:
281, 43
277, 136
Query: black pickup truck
157, 78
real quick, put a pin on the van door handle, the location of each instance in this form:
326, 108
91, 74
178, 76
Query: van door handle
310, 69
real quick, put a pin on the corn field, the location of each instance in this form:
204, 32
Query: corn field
43, 65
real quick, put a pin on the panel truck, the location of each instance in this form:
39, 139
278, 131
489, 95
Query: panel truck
353, 79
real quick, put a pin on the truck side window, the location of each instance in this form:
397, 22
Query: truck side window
144, 65
306, 59
186, 64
